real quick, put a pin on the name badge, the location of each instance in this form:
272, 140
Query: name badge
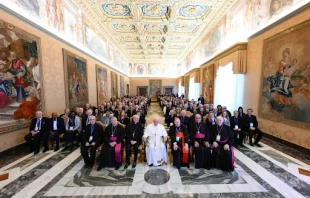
71, 128
251, 124
218, 138
177, 139
90, 138
236, 126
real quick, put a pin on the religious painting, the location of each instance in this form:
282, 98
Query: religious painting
72, 24
214, 43
155, 70
208, 83
76, 84
111, 53
20, 77
102, 84
117, 59
155, 87
286, 77
94, 43
31, 6
54, 14
169, 69
122, 86
124, 66
114, 85
140, 69
186, 85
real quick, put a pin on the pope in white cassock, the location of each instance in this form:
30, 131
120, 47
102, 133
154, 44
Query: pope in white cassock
155, 136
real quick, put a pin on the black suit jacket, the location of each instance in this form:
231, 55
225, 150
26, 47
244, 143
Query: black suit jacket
170, 119
226, 133
97, 135
202, 100
119, 133
173, 131
184, 120
246, 120
60, 124
44, 125
209, 124
138, 133
233, 121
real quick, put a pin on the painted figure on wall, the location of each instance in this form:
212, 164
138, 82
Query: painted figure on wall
102, 84
20, 84
286, 82
208, 84
155, 87
114, 87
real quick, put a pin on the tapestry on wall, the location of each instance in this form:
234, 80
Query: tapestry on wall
102, 84
286, 77
155, 87
76, 84
20, 77
122, 86
208, 83
114, 87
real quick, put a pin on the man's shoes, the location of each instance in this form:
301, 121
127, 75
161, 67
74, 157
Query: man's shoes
56, 148
251, 144
134, 165
116, 167
150, 165
99, 168
86, 166
36, 152
44, 150
126, 166
91, 166
71, 148
258, 145
241, 145
65, 148
178, 167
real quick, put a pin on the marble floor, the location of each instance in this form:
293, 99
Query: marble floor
260, 172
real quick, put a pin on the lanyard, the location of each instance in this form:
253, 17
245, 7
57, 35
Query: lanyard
199, 125
113, 130
219, 130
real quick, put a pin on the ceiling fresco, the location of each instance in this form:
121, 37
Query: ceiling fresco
154, 30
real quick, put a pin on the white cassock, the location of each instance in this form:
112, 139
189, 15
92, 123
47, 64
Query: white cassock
156, 152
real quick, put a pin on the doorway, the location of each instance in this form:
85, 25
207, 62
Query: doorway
142, 90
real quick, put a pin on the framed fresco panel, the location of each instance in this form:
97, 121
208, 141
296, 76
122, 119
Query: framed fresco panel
122, 86
114, 85
285, 91
155, 87
20, 78
208, 83
76, 84
102, 84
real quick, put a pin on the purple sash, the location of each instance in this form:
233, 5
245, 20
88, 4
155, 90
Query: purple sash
200, 135
118, 148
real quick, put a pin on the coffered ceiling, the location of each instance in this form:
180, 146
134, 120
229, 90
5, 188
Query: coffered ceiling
154, 30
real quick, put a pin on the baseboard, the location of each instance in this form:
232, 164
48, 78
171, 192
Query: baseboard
289, 144
13, 148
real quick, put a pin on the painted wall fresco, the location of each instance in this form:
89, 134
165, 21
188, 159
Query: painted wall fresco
114, 85
102, 84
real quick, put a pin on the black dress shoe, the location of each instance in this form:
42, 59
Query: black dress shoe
44, 150
65, 148
251, 144
36, 152
99, 168
242, 145
86, 166
179, 167
56, 148
71, 148
116, 167
150, 165
126, 166
91, 166
258, 145
134, 165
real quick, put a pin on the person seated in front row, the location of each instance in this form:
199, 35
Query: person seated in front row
73, 127
170, 118
222, 147
38, 130
250, 125
91, 140
155, 137
236, 126
179, 143
134, 135
111, 152
200, 138
56, 127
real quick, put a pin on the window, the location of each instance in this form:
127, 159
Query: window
228, 88
181, 90
194, 89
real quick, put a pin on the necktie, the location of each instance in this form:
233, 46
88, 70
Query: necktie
38, 123
87, 122
91, 130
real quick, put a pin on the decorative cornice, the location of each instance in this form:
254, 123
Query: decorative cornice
232, 49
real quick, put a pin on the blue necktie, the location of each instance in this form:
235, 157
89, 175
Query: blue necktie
91, 130
38, 123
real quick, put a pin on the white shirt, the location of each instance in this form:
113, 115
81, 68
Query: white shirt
55, 125
37, 128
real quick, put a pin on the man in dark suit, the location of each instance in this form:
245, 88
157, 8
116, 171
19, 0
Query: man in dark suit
250, 125
134, 140
141, 118
91, 140
183, 118
66, 113
86, 119
236, 126
56, 126
38, 129
169, 119
201, 99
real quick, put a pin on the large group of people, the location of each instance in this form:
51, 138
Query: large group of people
198, 132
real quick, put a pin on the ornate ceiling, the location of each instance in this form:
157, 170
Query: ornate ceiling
154, 30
